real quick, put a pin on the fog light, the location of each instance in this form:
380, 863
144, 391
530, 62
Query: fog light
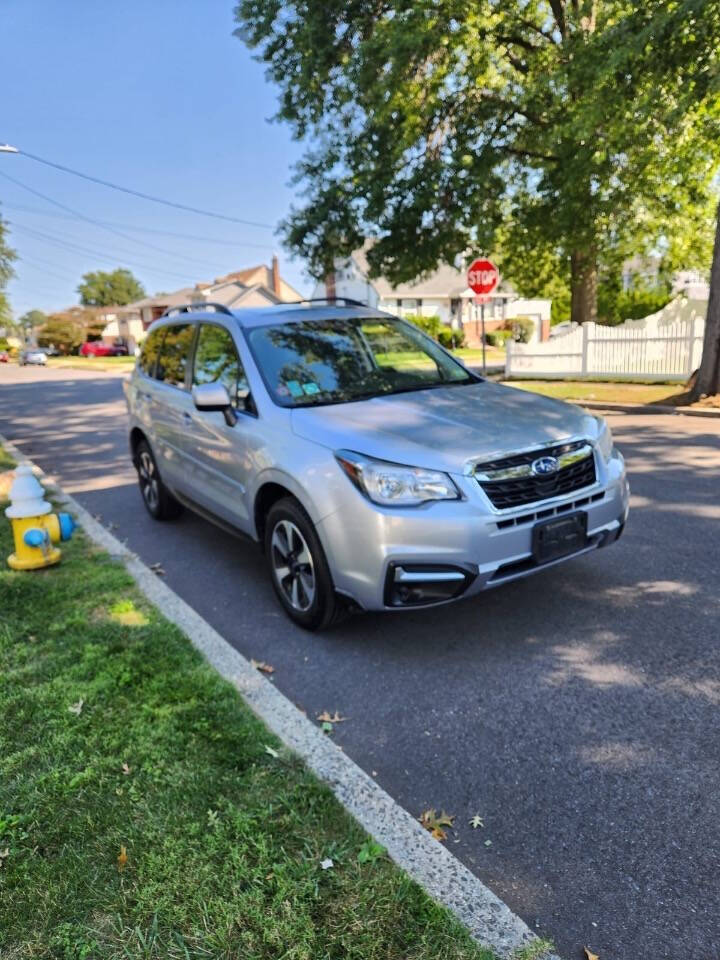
409, 585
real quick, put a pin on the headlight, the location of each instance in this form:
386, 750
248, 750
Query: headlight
604, 439
393, 485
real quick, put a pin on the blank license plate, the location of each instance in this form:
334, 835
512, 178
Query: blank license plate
559, 537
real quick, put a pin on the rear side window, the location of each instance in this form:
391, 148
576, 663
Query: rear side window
174, 354
150, 349
216, 360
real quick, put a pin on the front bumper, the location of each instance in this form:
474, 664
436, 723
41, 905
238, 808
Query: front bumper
372, 549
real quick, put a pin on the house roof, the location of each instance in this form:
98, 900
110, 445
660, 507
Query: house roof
230, 290
446, 281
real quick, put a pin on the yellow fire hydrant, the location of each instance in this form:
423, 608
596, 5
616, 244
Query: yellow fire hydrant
35, 527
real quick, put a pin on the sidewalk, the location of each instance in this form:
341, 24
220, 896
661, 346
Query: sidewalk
146, 809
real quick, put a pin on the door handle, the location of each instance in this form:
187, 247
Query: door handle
187, 418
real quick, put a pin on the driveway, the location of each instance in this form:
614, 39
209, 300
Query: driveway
576, 711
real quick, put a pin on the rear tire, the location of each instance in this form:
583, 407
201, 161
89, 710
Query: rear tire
159, 502
298, 568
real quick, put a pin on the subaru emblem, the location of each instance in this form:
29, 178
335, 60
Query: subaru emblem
544, 466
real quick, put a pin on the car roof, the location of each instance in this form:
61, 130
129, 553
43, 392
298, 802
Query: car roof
251, 317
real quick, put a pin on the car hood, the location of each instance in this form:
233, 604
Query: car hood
444, 428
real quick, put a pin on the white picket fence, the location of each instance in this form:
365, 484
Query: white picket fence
667, 345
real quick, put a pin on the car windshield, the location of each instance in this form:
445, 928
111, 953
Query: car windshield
315, 362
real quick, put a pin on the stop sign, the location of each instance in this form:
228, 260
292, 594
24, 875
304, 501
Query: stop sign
482, 277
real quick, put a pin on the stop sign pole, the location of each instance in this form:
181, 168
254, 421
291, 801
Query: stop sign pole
482, 278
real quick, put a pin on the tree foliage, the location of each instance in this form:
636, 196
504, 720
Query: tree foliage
32, 319
439, 127
7, 257
105, 289
68, 329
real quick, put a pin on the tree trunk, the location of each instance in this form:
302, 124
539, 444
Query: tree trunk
583, 287
707, 381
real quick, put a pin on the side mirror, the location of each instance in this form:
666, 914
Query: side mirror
213, 397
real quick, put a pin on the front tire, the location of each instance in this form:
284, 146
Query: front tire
159, 502
297, 566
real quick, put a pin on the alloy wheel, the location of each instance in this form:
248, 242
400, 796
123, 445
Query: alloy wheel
292, 565
148, 480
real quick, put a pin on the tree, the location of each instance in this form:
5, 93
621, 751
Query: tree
434, 122
679, 51
32, 320
102, 289
707, 381
68, 329
7, 256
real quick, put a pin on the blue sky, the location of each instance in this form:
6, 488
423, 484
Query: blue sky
158, 96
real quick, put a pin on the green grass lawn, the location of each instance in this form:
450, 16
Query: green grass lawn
604, 392
118, 741
93, 363
472, 356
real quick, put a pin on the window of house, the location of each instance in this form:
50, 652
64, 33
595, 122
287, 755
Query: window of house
174, 354
216, 360
150, 350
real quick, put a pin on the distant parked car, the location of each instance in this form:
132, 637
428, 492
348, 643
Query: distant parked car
96, 348
4, 356
33, 356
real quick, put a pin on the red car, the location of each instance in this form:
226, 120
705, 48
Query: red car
4, 356
96, 348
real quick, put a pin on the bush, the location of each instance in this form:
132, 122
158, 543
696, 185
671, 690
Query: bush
429, 325
633, 304
451, 339
434, 327
498, 338
522, 329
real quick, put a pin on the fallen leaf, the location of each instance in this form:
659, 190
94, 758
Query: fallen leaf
435, 823
76, 708
325, 717
476, 821
327, 864
158, 569
273, 753
122, 859
126, 769
488, 843
589, 955
261, 665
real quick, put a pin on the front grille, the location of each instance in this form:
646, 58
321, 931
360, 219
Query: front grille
519, 491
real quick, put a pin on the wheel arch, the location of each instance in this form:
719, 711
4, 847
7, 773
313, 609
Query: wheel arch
136, 435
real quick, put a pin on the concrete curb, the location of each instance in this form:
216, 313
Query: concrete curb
646, 408
489, 920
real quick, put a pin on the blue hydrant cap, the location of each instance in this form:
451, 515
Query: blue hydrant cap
67, 525
35, 537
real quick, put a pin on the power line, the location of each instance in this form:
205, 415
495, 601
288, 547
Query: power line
144, 196
132, 226
98, 223
99, 254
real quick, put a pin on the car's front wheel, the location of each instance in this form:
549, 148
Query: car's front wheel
298, 569
159, 502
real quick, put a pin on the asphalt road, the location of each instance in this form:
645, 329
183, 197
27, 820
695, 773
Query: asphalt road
576, 711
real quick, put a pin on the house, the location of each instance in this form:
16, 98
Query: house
253, 287
443, 293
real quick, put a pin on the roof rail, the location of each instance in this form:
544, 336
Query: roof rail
198, 308
346, 300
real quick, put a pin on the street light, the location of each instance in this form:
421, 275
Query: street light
7, 148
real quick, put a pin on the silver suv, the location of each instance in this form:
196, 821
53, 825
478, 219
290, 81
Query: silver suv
376, 471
